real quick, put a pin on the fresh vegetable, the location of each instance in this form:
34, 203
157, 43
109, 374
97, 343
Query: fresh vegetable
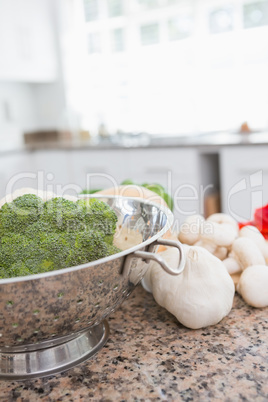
155, 188
158, 189
191, 229
45, 195
134, 191
260, 220
93, 191
253, 285
127, 182
201, 295
38, 236
255, 235
247, 253
240, 250
140, 192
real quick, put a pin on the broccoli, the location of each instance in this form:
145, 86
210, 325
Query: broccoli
38, 236
20, 213
98, 215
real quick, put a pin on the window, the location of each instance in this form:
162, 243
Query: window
149, 34
115, 8
221, 20
255, 14
171, 66
149, 3
118, 40
91, 10
94, 42
180, 27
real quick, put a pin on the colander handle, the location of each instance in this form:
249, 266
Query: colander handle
147, 255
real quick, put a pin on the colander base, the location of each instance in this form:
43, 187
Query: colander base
45, 362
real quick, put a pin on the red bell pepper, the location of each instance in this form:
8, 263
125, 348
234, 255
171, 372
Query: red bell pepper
260, 220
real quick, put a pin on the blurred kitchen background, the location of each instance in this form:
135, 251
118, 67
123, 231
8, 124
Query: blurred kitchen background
140, 89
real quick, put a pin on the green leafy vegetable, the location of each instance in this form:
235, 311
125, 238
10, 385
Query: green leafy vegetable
38, 236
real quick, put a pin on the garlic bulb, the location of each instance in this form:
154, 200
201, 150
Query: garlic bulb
201, 295
253, 285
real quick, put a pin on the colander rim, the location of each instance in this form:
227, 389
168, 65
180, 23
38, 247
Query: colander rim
166, 227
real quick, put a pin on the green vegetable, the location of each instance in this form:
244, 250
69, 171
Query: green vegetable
127, 182
37, 236
156, 188
159, 190
93, 191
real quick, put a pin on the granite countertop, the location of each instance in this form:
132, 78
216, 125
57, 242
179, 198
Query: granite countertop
150, 357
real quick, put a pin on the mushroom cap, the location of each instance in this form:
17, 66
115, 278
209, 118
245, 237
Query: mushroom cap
253, 285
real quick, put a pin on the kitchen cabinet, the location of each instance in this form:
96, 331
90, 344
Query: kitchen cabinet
239, 172
27, 50
52, 169
46, 170
70, 171
177, 170
95, 168
16, 172
244, 180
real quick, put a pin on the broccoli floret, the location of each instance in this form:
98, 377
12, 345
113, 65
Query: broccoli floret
62, 214
37, 236
19, 214
13, 247
98, 215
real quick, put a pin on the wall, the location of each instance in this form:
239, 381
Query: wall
17, 112
30, 104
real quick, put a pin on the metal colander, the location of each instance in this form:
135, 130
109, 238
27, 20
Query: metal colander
52, 321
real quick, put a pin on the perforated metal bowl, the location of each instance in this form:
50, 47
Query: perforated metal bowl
52, 321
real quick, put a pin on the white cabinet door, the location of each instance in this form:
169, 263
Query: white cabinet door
16, 172
244, 180
27, 50
53, 171
45, 170
98, 169
177, 170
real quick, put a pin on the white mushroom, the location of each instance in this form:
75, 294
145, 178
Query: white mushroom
223, 218
208, 245
254, 234
201, 295
253, 285
245, 251
190, 229
221, 252
236, 278
222, 234
232, 265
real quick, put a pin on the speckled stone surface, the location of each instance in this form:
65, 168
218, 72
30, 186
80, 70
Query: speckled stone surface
150, 357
